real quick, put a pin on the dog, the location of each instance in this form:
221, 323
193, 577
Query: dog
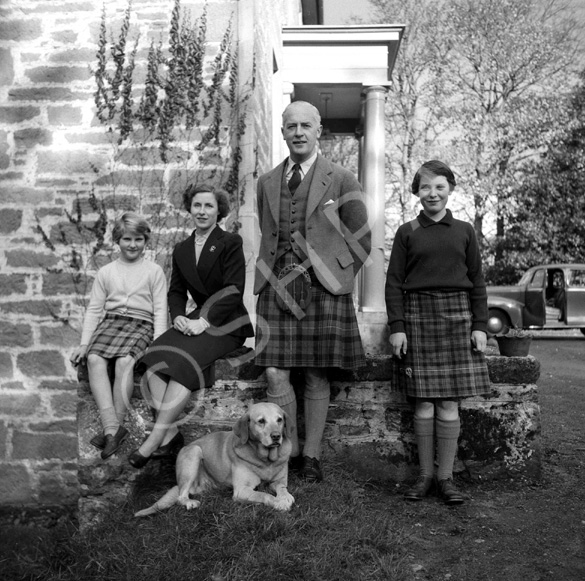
256, 450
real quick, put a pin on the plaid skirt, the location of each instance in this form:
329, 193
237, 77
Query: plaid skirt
327, 336
440, 361
118, 336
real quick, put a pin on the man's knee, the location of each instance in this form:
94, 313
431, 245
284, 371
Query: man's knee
280, 390
316, 384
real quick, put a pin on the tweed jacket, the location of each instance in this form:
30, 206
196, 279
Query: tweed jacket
337, 235
216, 282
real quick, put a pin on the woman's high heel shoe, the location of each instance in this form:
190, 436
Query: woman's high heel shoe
170, 449
137, 460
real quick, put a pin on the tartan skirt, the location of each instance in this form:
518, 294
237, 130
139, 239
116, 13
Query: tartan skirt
118, 336
327, 336
440, 361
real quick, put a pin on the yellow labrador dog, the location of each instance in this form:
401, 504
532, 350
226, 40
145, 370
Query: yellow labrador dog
256, 450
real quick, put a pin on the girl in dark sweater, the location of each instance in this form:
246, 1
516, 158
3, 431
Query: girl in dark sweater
437, 311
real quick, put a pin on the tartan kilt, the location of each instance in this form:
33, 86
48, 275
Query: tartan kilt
327, 336
440, 361
118, 336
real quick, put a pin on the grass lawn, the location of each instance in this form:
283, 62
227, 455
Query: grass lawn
337, 530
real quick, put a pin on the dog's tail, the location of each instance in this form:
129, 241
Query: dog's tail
168, 500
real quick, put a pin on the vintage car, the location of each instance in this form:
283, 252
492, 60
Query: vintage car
551, 296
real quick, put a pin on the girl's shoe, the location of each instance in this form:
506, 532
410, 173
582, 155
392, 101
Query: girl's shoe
449, 493
98, 441
137, 460
420, 488
114, 442
170, 449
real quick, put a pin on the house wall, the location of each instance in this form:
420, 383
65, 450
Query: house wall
54, 151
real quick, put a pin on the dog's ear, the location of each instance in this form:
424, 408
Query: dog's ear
288, 426
241, 428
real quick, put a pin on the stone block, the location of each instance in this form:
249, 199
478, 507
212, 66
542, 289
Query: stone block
70, 161
59, 384
3, 438
66, 426
31, 136
6, 367
46, 308
15, 335
63, 405
16, 484
64, 283
58, 74
22, 258
59, 335
43, 446
33, 196
11, 284
20, 30
19, 114
50, 94
58, 487
10, 220
41, 363
6, 67
19, 404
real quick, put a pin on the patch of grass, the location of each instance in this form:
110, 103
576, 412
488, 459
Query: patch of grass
336, 531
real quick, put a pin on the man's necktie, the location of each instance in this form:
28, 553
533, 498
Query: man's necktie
295, 179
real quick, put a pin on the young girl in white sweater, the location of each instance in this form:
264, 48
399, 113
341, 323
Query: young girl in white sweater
127, 310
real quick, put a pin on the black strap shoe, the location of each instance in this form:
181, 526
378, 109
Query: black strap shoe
170, 449
449, 493
114, 442
420, 488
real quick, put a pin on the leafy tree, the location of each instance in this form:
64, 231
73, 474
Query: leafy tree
548, 221
510, 60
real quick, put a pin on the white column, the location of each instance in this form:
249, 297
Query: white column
373, 182
372, 312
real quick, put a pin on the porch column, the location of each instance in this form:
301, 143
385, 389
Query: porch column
373, 321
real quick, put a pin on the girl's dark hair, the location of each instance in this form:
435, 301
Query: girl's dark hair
223, 202
132, 222
434, 167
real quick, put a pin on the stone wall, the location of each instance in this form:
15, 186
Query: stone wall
369, 426
53, 152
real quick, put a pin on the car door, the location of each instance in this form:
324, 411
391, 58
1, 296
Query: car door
576, 297
534, 313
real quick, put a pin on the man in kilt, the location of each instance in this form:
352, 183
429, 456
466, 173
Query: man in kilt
315, 238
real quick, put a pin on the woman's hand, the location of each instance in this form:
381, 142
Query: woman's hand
181, 324
479, 341
196, 327
398, 343
78, 355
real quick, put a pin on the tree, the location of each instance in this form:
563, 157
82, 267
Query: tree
510, 60
548, 221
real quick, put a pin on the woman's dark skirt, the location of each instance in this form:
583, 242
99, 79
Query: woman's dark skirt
189, 359
119, 336
440, 361
327, 336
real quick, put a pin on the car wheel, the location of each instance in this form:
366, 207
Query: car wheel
498, 322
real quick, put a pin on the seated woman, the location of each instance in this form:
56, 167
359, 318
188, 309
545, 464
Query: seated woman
210, 266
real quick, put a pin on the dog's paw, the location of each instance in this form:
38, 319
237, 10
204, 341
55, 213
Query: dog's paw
284, 503
190, 503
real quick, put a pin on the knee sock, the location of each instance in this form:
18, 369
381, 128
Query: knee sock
287, 400
447, 440
424, 430
110, 423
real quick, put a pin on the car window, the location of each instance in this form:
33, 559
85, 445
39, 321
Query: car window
577, 278
538, 279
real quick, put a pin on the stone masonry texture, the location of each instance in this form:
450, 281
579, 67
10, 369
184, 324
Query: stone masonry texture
54, 156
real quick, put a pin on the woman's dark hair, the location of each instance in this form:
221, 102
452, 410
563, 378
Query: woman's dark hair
434, 167
223, 202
